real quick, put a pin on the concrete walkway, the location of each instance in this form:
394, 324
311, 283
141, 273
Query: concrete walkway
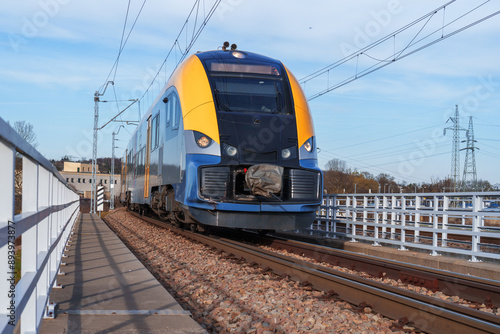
106, 289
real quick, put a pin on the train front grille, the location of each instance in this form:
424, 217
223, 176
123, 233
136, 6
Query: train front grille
214, 181
303, 184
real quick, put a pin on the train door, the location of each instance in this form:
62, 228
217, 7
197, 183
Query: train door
146, 160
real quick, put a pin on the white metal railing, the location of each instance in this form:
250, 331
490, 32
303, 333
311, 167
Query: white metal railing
49, 210
454, 223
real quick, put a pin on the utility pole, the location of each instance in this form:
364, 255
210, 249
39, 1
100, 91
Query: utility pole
112, 183
93, 194
469, 179
94, 153
455, 155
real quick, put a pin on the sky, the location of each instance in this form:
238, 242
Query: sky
57, 53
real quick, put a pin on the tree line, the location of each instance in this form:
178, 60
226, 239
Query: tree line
339, 178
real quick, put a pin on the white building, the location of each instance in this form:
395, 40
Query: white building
80, 176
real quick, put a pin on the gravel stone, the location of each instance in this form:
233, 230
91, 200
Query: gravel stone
226, 296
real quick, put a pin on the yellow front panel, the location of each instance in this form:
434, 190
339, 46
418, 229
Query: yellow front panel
198, 109
305, 128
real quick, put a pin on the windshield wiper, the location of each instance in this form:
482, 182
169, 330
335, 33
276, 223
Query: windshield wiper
279, 100
218, 99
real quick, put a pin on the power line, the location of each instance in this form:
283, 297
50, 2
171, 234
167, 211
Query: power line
391, 154
189, 44
393, 162
123, 43
387, 137
368, 166
396, 55
489, 139
496, 156
494, 147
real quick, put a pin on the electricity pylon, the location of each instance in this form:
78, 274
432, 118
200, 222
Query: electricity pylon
455, 155
469, 179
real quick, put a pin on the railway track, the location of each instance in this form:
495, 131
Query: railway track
425, 313
473, 289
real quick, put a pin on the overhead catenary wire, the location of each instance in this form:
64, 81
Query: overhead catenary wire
397, 55
368, 47
196, 34
122, 43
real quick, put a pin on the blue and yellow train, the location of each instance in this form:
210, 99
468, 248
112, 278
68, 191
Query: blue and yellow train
229, 142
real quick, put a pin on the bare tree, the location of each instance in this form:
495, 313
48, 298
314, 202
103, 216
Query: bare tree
336, 165
25, 130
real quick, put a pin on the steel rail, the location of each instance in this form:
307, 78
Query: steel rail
475, 289
425, 313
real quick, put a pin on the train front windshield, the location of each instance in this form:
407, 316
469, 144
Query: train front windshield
251, 88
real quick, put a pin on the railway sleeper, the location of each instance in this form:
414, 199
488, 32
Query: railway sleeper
401, 323
428, 283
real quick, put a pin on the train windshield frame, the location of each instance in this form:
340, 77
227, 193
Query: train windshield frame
249, 87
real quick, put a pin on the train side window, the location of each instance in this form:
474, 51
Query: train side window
157, 137
143, 165
154, 130
140, 162
168, 110
176, 112
131, 167
134, 163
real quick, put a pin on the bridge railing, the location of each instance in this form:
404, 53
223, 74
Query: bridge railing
48, 210
466, 224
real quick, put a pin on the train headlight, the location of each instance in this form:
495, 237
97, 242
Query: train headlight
286, 153
230, 150
238, 54
308, 145
201, 139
